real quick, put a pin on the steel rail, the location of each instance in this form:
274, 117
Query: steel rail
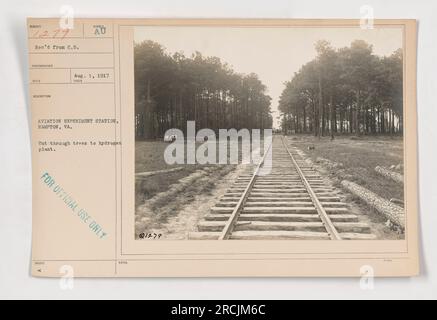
330, 228
230, 224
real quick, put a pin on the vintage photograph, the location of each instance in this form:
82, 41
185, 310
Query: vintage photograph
269, 133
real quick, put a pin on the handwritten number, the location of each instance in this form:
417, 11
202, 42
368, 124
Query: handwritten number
45, 34
66, 31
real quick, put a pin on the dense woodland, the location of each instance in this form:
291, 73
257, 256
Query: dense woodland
171, 89
347, 90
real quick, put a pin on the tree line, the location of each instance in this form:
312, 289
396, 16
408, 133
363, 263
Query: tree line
171, 89
346, 90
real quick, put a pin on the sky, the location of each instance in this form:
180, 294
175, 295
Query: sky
275, 53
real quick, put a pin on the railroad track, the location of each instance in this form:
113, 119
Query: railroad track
292, 201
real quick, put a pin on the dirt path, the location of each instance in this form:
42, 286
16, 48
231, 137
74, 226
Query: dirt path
176, 212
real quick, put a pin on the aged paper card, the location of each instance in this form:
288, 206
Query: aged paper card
207, 148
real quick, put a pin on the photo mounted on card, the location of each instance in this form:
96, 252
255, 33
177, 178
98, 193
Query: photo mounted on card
197, 148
